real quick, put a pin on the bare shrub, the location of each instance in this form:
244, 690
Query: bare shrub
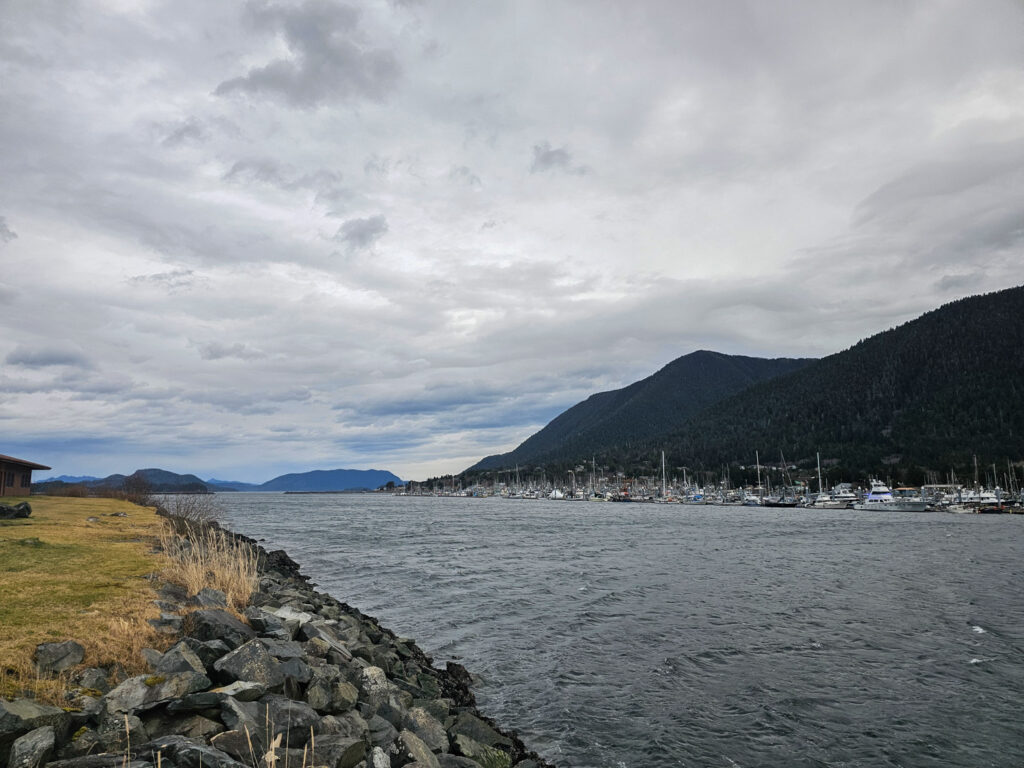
200, 508
203, 556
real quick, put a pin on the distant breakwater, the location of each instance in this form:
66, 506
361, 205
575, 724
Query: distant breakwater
306, 680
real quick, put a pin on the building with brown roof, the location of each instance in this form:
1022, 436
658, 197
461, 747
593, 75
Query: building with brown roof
16, 476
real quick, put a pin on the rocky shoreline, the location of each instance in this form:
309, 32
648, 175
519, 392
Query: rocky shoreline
304, 681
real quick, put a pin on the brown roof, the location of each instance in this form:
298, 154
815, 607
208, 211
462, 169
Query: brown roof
29, 464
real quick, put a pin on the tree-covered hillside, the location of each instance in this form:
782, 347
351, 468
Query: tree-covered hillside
655, 406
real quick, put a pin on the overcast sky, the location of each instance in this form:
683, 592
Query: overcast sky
247, 238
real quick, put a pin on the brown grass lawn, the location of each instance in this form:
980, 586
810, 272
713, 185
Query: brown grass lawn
63, 577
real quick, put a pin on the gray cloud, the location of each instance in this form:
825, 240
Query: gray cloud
189, 130
6, 233
330, 60
219, 351
47, 355
361, 233
172, 280
548, 158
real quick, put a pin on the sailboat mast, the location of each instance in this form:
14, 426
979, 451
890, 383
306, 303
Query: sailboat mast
820, 490
663, 491
757, 460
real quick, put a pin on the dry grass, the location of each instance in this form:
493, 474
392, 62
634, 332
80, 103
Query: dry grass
200, 556
64, 577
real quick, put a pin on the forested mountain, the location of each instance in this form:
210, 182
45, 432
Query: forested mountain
931, 393
651, 407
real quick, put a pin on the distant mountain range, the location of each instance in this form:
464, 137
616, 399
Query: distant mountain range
162, 481
931, 393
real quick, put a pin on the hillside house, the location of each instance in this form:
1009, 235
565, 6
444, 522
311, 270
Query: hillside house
16, 476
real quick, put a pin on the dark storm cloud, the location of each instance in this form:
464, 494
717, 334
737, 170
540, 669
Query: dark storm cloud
361, 233
6, 233
45, 356
330, 58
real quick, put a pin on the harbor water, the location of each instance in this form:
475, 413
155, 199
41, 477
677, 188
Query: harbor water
621, 635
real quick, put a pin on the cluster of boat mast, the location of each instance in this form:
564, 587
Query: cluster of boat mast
934, 497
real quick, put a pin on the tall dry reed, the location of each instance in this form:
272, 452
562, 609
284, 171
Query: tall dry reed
201, 556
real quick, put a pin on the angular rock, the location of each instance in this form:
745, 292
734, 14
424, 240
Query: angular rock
426, 726
409, 748
288, 614
116, 730
318, 694
216, 624
344, 696
251, 662
374, 690
448, 760
94, 679
379, 759
33, 749
241, 716
348, 724
180, 658
243, 690
100, 761
203, 702
85, 742
382, 733
168, 624
152, 657
147, 691
479, 731
267, 624
291, 719
208, 651
296, 669
51, 658
240, 745
282, 649
209, 598
337, 750
187, 754
20, 716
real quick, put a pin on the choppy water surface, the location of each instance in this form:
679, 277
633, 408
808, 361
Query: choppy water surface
647, 635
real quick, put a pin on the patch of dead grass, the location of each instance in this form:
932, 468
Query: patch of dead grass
64, 577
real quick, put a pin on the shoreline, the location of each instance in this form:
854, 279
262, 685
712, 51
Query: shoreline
306, 680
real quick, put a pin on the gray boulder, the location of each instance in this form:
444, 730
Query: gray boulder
147, 691
94, 679
208, 651
456, 761
382, 733
252, 662
243, 690
117, 729
100, 761
348, 724
426, 726
20, 716
216, 624
379, 759
33, 749
282, 649
267, 624
185, 753
337, 750
374, 690
51, 658
180, 658
479, 731
209, 598
409, 748
291, 719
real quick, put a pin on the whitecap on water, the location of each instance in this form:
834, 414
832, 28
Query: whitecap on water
978, 661
978, 630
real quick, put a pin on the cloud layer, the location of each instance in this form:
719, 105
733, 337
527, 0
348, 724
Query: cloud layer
249, 239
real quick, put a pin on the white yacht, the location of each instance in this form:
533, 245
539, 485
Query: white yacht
880, 498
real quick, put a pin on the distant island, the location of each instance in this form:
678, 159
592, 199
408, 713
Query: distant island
162, 481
